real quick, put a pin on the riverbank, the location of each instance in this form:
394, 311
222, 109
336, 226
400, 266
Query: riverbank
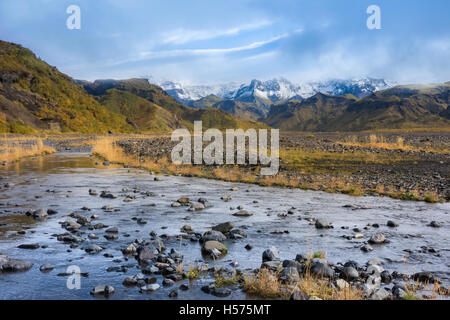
407, 166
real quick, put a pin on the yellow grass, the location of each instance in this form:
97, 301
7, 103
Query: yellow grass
265, 284
332, 172
12, 149
380, 142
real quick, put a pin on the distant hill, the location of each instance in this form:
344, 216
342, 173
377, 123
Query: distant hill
401, 107
35, 96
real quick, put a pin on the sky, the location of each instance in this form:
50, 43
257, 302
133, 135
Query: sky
208, 42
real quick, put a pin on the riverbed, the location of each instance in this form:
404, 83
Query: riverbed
61, 182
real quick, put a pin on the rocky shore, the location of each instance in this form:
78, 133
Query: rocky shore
409, 173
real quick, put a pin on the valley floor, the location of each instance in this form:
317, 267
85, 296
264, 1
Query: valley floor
408, 166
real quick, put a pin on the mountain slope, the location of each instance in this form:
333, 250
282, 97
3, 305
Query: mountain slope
143, 115
35, 96
312, 114
401, 107
183, 115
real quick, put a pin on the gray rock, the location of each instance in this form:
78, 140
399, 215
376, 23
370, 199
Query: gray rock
224, 227
289, 275
425, 277
145, 253
351, 273
341, 284
129, 282
323, 224
71, 225
392, 224
39, 214
214, 248
271, 254
103, 290
93, 249
46, 268
435, 224
221, 292
213, 235
131, 249
196, 206
386, 277
150, 287
112, 230
380, 294
378, 238
13, 265
187, 228
184, 201
366, 248
237, 234
321, 269
242, 213
297, 295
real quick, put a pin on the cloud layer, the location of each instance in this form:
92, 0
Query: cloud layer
205, 42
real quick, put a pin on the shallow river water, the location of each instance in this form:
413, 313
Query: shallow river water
61, 182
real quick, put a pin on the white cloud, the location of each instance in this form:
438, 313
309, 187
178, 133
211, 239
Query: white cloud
150, 55
181, 36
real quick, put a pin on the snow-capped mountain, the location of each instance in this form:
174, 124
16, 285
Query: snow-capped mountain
274, 90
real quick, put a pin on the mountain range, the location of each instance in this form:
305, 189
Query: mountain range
253, 100
36, 97
400, 107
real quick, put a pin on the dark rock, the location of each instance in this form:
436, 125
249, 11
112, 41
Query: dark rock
213, 236
103, 290
30, 246
13, 265
297, 295
323, 224
46, 268
392, 224
378, 238
271, 254
224, 227
425, 277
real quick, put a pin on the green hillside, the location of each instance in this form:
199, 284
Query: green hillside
35, 96
401, 107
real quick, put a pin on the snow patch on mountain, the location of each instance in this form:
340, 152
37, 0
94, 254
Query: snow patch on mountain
274, 90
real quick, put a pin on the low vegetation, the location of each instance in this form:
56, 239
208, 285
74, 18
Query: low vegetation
266, 284
15, 149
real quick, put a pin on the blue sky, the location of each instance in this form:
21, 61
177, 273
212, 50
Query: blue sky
199, 41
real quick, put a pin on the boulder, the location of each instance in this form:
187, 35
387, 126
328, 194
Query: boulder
271, 254
350, 273
321, 269
323, 224
145, 253
214, 248
103, 290
242, 213
378, 238
224, 227
213, 235
13, 265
